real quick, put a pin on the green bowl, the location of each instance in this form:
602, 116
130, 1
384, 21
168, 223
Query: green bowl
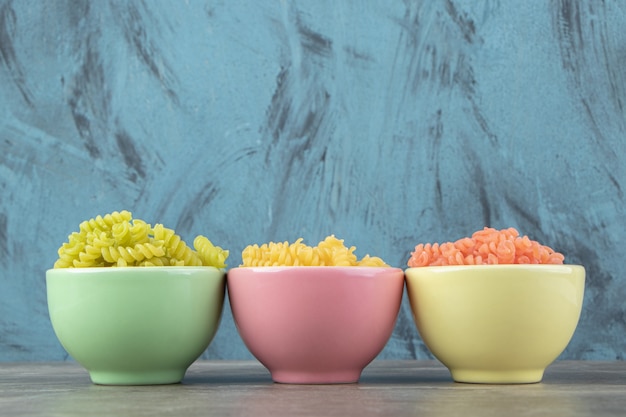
135, 325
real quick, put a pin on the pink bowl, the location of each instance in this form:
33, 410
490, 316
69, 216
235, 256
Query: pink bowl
315, 325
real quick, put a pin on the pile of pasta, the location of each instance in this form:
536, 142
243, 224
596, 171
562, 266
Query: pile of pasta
329, 252
485, 247
116, 239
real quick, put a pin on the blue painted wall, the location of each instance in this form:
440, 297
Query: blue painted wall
387, 123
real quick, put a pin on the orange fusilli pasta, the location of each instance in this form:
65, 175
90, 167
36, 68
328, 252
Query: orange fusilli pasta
487, 246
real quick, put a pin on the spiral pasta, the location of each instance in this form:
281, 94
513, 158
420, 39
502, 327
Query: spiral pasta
104, 223
209, 254
177, 249
116, 240
329, 252
487, 246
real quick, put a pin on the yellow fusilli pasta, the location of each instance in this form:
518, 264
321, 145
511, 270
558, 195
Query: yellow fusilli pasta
116, 239
329, 252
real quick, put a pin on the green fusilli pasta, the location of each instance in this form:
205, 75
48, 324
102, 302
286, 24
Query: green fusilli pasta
117, 240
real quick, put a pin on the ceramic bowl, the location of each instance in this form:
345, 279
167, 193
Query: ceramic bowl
496, 323
315, 325
135, 325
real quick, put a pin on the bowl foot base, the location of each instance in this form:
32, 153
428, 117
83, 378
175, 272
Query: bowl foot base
136, 378
316, 377
512, 376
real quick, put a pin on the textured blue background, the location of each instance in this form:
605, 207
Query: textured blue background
387, 123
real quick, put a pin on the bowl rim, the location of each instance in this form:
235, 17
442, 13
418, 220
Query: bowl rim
126, 269
496, 266
322, 268
320, 272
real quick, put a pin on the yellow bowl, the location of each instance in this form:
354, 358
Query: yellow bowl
496, 323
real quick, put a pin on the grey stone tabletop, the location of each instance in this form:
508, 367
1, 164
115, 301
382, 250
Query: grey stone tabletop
244, 388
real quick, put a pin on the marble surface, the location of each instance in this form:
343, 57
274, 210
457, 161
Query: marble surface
387, 388
387, 123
